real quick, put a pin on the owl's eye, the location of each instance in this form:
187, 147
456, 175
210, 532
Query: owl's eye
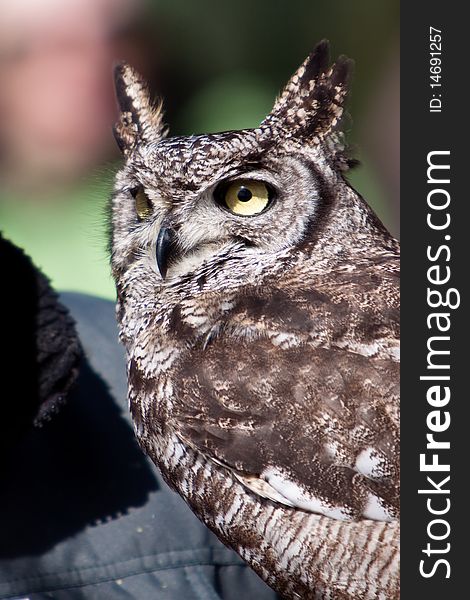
143, 206
246, 197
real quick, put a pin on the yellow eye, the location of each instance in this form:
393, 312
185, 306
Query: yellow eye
246, 197
143, 206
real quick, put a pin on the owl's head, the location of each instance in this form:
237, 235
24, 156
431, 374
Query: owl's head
184, 205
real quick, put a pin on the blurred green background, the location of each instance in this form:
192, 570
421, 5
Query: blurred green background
219, 66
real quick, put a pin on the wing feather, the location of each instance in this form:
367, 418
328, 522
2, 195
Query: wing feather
286, 396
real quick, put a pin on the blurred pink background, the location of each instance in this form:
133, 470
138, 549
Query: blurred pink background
56, 99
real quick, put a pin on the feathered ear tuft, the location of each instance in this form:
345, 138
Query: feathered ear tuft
312, 103
140, 119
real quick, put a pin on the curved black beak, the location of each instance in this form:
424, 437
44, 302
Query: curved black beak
165, 246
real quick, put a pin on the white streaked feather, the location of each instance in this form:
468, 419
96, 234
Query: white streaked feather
369, 463
298, 497
263, 489
375, 510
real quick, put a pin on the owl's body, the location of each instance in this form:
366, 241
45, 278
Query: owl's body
261, 329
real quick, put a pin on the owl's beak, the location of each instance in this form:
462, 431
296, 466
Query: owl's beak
165, 246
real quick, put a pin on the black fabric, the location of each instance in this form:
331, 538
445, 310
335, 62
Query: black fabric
39, 350
85, 515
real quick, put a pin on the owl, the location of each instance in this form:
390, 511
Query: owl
258, 302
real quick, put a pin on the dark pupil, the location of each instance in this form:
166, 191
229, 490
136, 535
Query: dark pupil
244, 194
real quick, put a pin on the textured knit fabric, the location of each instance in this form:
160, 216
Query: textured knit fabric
39, 350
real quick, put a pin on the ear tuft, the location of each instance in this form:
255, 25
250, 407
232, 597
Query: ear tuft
312, 103
317, 62
140, 119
